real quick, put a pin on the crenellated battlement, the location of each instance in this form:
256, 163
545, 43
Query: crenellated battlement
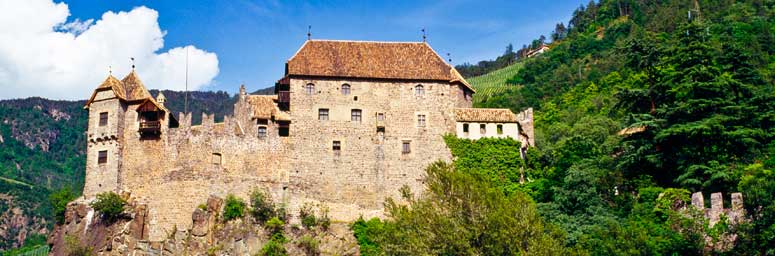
735, 214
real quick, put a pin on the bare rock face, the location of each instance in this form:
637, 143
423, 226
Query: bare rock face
208, 234
200, 219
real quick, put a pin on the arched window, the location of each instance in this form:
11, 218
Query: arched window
310, 89
345, 89
419, 90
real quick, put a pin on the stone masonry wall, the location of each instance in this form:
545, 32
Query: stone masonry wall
103, 177
370, 166
177, 172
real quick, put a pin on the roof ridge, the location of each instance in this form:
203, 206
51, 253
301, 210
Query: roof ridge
365, 41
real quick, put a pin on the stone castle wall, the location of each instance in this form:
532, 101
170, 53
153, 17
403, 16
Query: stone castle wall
179, 170
370, 165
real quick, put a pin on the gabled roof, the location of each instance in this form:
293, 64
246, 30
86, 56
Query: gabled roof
129, 89
361, 59
134, 88
494, 115
264, 107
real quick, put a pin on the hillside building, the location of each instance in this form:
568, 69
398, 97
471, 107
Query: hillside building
349, 125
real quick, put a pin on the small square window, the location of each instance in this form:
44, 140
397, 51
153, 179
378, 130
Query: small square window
380, 116
216, 159
102, 157
337, 146
323, 114
355, 115
500, 129
406, 147
421, 120
103, 118
262, 131
482, 129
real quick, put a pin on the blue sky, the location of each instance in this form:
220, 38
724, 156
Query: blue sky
253, 39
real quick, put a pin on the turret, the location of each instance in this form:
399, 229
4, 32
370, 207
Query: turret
105, 132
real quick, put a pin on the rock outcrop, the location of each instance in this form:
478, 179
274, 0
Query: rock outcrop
83, 229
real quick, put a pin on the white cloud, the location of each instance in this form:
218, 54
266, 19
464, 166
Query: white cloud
41, 54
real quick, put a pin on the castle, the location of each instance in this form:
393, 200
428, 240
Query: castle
349, 124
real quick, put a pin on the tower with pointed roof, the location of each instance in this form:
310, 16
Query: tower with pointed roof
121, 112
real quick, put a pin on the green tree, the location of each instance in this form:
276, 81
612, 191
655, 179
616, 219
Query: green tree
110, 205
461, 215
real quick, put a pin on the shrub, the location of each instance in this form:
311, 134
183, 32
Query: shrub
59, 202
309, 244
110, 205
74, 247
274, 225
324, 221
263, 209
275, 246
366, 233
234, 208
307, 216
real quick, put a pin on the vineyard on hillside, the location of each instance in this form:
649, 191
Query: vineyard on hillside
494, 82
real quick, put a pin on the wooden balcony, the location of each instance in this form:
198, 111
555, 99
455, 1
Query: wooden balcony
150, 127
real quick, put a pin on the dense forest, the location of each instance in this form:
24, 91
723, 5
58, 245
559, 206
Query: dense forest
638, 105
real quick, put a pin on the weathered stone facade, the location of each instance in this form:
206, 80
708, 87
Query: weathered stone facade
342, 131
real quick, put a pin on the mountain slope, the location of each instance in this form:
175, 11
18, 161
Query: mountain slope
493, 83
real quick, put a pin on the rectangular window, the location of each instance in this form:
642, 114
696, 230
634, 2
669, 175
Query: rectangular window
102, 157
337, 146
421, 120
262, 131
216, 159
284, 129
103, 118
381, 133
482, 129
500, 129
380, 116
323, 114
465, 128
355, 115
406, 147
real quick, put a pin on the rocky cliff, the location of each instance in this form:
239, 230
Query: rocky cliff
84, 231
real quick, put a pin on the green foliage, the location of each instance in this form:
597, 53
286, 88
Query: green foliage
75, 248
307, 215
234, 208
496, 160
324, 221
309, 244
757, 186
110, 205
460, 214
365, 233
275, 225
275, 246
59, 202
263, 209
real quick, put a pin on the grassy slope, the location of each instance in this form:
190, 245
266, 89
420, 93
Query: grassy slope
494, 82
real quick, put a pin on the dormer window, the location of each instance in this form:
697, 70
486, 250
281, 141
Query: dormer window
103, 118
309, 88
419, 90
346, 89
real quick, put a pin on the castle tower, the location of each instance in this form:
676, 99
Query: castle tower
104, 137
